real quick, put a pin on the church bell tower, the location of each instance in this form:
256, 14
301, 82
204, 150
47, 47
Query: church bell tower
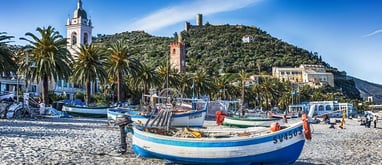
78, 29
178, 55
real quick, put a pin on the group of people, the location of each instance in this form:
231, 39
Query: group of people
371, 118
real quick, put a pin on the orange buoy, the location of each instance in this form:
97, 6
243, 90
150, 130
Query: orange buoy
275, 127
219, 117
307, 132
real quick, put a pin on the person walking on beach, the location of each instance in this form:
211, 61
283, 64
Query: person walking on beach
375, 118
368, 121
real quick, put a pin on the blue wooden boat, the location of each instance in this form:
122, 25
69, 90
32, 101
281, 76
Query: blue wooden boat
283, 146
183, 115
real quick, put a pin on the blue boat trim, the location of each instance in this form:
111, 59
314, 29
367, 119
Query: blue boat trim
220, 143
285, 155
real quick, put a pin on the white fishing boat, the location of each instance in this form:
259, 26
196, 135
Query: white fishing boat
254, 145
259, 146
84, 111
248, 121
181, 115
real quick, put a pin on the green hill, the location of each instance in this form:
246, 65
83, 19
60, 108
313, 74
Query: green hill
220, 49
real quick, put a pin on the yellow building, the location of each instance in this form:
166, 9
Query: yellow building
313, 75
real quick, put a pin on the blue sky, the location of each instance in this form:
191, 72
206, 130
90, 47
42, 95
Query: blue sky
347, 34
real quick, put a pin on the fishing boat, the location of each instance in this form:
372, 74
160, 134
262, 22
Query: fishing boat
182, 114
248, 121
85, 111
279, 145
253, 145
6, 95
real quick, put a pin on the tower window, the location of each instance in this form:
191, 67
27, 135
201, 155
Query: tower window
173, 51
86, 38
74, 38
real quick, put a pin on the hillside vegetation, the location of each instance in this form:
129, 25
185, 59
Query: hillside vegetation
219, 49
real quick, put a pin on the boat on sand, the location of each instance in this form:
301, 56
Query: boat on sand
226, 145
183, 114
283, 145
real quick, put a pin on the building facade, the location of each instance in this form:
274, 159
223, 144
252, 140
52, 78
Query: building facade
78, 29
78, 32
178, 56
313, 75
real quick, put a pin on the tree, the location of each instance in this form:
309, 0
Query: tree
242, 78
121, 63
268, 90
7, 63
88, 67
52, 59
185, 84
202, 82
148, 76
221, 83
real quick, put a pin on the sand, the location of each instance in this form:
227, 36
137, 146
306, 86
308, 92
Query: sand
91, 141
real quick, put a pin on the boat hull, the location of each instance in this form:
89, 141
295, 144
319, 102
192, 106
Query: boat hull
190, 118
248, 122
94, 112
280, 147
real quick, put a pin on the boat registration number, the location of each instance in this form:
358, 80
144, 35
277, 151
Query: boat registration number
195, 116
287, 135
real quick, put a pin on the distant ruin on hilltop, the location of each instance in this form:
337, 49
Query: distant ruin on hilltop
199, 23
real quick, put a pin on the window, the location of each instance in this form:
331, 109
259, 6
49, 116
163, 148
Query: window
86, 38
74, 38
320, 108
328, 108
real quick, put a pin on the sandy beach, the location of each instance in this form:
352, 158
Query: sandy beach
91, 141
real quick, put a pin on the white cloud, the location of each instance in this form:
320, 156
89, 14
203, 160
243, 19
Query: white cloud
183, 12
373, 33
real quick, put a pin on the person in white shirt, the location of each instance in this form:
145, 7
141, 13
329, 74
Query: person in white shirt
375, 118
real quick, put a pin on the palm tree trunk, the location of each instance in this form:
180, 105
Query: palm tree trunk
87, 99
119, 86
45, 90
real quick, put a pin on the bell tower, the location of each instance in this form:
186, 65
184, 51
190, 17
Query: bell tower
178, 55
78, 29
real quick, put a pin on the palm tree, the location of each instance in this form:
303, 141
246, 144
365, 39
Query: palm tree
256, 89
52, 59
148, 76
185, 84
88, 67
202, 82
268, 90
170, 77
7, 63
221, 83
121, 63
243, 78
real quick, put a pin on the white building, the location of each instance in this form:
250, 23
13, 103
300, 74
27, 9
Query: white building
78, 29
247, 39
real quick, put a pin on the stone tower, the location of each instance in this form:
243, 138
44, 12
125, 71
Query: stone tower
178, 55
199, 20
78, 29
